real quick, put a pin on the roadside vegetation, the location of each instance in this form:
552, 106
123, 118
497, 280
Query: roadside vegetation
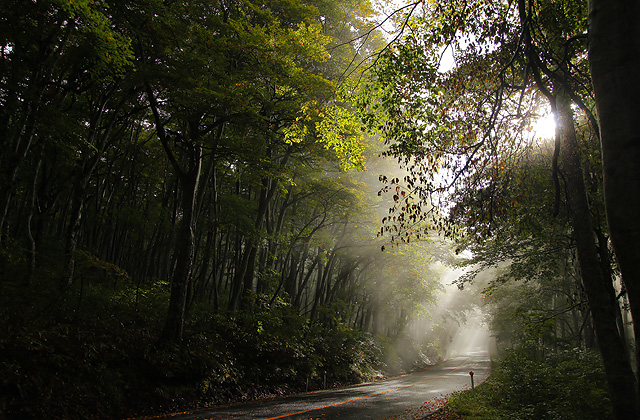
185, 211
567, 384
93, 353
458, 101
205, 201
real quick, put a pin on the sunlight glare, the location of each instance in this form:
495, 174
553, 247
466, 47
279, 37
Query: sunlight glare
545, 127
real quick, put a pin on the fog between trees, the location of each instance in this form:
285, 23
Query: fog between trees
248, 194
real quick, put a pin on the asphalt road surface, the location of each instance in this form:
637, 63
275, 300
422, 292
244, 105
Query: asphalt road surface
408, 397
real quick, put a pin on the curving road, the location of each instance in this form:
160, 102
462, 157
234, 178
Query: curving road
411, 396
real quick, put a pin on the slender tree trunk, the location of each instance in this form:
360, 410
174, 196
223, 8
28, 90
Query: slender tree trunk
185, 243
303, 284
77, 206
16, 138
238, 279
203, 278
614, 58
599, 290
319, 286
189, 179
73, 230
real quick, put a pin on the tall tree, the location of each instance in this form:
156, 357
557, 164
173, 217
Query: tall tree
598, 288
50, 51
462, 128
614, 39
256, 71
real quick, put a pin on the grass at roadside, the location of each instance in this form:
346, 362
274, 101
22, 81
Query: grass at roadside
482, 403
565, 385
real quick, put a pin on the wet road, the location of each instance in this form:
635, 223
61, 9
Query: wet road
408, 397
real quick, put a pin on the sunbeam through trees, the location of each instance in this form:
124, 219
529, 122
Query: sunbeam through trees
214, 201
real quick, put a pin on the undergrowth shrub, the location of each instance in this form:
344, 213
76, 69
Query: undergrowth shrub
347, 355
90, 350
404, 353
566, 384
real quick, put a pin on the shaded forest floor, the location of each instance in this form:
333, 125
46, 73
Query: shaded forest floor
89, 352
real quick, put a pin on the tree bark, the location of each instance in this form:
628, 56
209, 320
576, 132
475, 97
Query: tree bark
19, 117
614, 58
189, 178
29, 231
599, 290
185, 243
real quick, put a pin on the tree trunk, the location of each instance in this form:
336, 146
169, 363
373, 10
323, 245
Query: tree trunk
614, 45
75, 220
599, 290
31, 210
16, 137
303, 284
185, 239
185, 243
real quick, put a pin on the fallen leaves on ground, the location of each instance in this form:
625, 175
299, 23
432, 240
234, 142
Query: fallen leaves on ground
431, 410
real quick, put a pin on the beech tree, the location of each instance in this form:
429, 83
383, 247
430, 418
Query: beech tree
50, 52
463, 129
203, 153
614, 36
251, 76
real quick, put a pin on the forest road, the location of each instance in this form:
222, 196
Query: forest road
408, 397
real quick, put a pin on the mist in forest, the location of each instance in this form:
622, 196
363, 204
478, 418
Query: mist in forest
443, 321
463, 313
472, 337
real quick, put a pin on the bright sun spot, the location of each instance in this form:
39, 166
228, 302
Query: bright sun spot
545, 127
